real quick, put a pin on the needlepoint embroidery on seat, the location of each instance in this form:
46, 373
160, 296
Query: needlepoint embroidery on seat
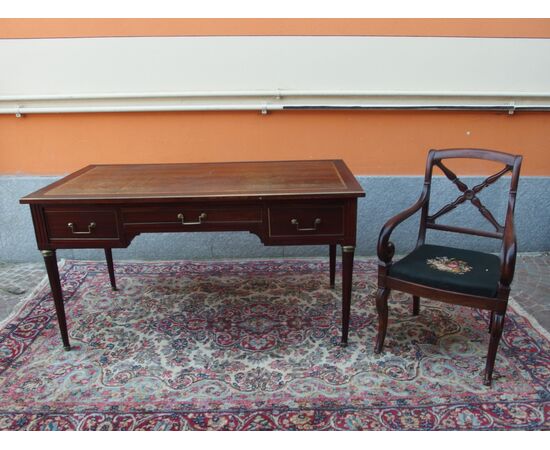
446, 264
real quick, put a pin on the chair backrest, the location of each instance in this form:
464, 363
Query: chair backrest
512, 163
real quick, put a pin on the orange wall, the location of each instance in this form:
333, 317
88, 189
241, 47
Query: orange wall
370, 142
40, 28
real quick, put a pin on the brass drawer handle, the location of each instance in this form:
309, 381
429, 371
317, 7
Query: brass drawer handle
183, 222
91, 226
297, 224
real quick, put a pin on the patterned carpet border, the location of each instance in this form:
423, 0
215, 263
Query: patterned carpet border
417, 369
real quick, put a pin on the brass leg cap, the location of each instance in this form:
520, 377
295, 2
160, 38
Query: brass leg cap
67, 348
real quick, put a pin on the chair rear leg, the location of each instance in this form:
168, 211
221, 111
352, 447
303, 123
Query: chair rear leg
496, 333
416, 305
382, 308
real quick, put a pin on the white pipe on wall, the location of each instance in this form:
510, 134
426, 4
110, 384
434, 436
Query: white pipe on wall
277, 93
142, 108
269, 101
19, 111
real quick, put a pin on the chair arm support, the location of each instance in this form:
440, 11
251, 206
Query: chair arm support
508, 253
385, 248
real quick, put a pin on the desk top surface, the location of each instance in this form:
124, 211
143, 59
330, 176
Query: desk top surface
314, 178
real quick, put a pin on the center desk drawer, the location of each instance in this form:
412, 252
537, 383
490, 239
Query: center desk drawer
68, 223
196, 215
314, 220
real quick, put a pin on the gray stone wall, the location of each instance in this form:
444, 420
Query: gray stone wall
386, 196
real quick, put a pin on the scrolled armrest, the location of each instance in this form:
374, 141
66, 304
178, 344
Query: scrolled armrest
385, 248
509, 251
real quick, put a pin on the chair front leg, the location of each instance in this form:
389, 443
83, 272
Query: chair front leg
496, 333
382, 308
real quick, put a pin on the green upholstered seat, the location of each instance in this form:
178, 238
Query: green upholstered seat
451, 269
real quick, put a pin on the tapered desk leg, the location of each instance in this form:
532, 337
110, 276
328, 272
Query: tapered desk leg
416, 305
332, 263
110, 267
347, 271
50, 260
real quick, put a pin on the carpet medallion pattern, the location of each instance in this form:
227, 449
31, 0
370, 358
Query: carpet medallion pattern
254, 345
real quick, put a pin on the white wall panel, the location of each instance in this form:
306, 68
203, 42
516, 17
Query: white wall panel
344, 68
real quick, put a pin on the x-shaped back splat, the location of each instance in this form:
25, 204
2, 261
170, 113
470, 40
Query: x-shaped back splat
469, 194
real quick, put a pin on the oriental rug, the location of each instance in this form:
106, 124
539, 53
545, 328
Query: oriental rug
254, 345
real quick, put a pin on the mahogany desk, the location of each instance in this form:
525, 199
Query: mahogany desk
282, 202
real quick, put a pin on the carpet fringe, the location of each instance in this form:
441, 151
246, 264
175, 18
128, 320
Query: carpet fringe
532, 320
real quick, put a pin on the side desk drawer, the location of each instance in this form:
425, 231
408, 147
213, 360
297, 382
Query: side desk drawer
287, 221
81, 224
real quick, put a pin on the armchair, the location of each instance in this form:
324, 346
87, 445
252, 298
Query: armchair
448, 274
